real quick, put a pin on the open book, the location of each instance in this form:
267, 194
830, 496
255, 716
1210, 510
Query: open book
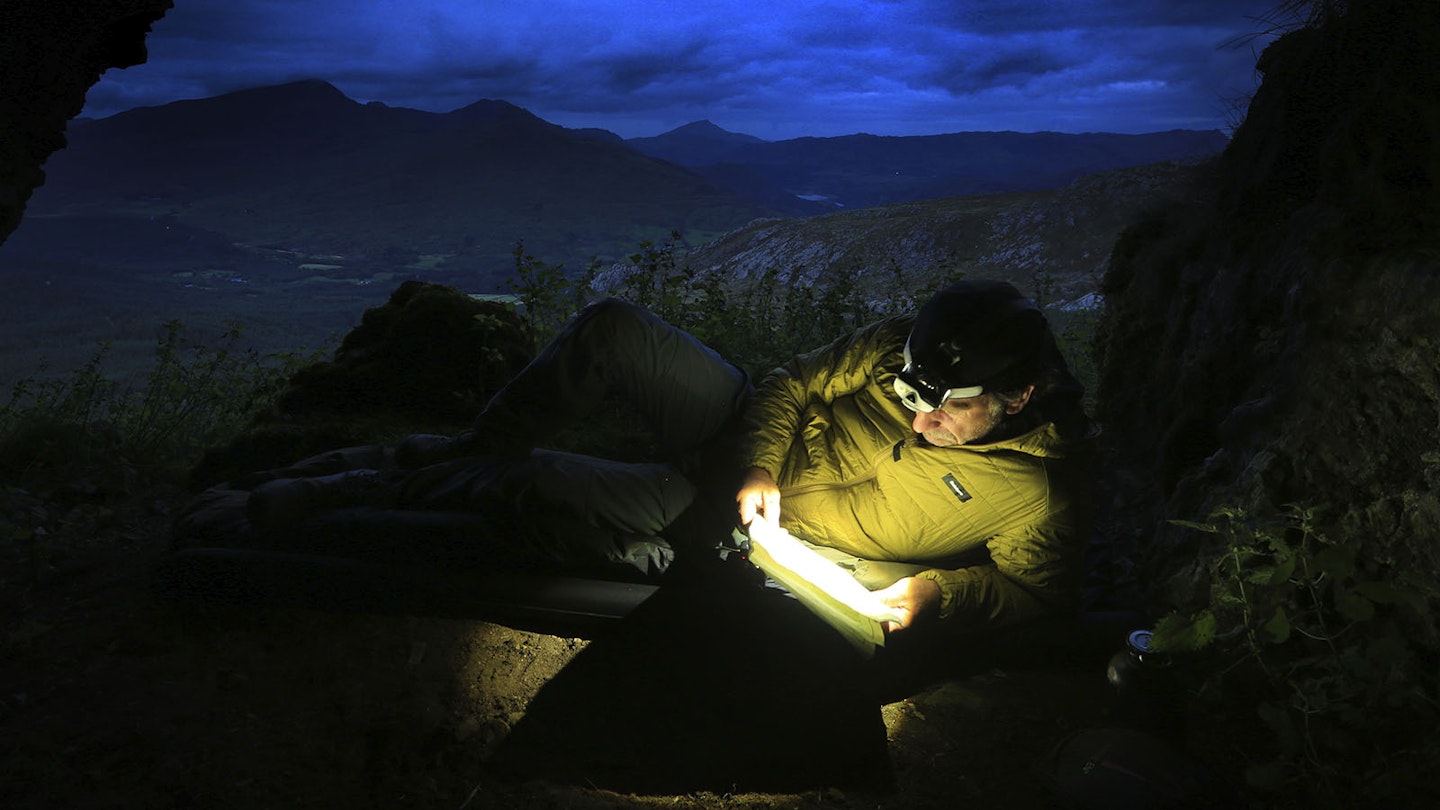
822, 586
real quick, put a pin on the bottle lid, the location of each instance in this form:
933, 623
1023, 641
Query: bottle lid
1138, 643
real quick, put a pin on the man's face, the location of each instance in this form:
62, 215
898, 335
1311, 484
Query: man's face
959, 421
965, 421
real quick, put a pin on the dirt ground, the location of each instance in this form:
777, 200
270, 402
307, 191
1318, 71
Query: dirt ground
111, 698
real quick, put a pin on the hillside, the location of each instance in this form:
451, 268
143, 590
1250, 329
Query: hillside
304, 168
142, 272
1054, 244
859, 171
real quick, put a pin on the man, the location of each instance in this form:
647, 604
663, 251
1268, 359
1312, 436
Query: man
935, 456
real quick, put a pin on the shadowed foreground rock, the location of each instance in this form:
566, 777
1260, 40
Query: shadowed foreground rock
1276, 346
50, 54
428, 358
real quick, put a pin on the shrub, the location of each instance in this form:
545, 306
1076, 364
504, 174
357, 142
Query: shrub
755, 323
194, 396
85, 461
1317, 639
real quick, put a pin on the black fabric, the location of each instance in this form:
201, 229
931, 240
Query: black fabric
526, 599
978, 332
706, 689
683, 389
543, 507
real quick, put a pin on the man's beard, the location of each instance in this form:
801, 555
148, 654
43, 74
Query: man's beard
994, 415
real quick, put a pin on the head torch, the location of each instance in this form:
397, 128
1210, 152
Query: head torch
920, 393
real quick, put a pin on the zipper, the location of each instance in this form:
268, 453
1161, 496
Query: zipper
890, 454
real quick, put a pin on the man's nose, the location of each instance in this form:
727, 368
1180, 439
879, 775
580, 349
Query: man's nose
923, 421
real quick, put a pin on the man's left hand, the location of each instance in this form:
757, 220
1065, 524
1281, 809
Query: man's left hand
913, 598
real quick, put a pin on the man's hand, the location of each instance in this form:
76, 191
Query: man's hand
760, 496
913, 598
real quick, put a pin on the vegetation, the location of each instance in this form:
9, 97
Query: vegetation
1320, 641
56, 313
193, 396
86, 461
146, 429
755, 323
67, 295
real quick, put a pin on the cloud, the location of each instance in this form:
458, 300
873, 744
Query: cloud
1017, 16
782, 68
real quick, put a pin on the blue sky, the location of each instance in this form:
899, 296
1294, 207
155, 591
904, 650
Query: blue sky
775, 68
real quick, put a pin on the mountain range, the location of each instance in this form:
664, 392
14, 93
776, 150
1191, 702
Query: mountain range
860, 171
302, 169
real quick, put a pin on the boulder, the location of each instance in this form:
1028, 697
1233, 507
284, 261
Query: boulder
424, 361
1275, 343
50, 55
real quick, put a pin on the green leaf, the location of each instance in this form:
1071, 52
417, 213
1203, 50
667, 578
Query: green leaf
1283, 570
1260, 574
1228, 600
1234, 513
1175, 633
1278, 628
1208, 528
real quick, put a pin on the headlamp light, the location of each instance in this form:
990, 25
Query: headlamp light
919, 393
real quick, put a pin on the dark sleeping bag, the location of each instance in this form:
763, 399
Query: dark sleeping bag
363, 558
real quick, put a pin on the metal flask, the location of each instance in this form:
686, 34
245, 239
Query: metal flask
1145, 689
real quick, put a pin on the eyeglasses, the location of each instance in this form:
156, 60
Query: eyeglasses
922, 396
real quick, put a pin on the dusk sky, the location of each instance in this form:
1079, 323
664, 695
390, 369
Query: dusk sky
775, 68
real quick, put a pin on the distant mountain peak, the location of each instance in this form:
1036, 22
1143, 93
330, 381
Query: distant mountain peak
316, 85
299, 102
311, 90
705, 128
703, 125
697, 143
487, 107
493, 112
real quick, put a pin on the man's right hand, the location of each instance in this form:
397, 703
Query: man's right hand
760, 496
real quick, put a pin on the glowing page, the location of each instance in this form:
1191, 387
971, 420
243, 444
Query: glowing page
822, 586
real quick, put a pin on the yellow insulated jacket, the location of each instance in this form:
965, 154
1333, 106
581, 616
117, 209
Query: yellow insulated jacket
1000, 527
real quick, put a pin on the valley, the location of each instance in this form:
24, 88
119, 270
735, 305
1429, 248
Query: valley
290, 210
69, 283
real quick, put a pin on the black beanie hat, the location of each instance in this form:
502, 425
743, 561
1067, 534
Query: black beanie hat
978, 333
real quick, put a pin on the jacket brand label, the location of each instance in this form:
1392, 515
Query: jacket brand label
954, 485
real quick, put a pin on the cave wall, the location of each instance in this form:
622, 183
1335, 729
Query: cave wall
1276, 342
51, 52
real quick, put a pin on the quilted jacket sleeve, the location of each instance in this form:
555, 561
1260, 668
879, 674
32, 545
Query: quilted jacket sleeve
1008, 591
1034, 568
843, 367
